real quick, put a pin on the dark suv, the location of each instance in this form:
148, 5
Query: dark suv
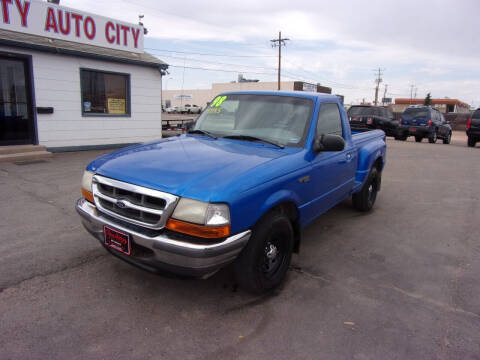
374, 117
473, 128
426, 122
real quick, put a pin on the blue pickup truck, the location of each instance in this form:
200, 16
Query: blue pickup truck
256, 168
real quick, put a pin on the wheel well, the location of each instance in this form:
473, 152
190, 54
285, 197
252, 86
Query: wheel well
290, 210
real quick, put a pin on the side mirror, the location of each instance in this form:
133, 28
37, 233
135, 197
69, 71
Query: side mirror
328, 143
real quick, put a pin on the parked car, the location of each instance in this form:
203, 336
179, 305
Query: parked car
239, 187
375, 117
173, 110
191, 109
473, 128
426, 122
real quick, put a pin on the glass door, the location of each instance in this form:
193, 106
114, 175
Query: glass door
16, 120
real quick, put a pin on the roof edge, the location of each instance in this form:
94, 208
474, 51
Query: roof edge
57, 50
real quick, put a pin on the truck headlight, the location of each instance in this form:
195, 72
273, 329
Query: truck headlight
87, 185
198, 218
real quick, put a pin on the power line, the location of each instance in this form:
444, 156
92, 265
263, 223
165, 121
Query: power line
210, 54
218, 63
219, 70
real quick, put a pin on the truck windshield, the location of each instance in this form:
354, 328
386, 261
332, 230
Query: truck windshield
279, 119
411, 113
360, 111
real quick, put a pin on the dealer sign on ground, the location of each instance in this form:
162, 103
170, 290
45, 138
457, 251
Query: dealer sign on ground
59, 22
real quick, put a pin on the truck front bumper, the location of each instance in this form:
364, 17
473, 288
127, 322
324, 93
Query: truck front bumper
162, 251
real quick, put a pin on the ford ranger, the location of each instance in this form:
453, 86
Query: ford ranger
256, 168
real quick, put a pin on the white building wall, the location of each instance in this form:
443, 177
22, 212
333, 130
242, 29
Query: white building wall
57, 85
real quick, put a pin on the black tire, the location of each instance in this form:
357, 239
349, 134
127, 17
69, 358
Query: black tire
432, 139
448, 139
418, 138
263, 263
401, 137
471, 142
365, 198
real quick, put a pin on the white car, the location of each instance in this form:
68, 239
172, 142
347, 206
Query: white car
191, 109
172, 110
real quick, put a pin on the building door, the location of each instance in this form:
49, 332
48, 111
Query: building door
16, 115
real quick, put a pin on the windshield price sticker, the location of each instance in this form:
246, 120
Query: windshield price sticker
218, 101
214, 110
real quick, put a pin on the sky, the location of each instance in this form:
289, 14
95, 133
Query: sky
430, 44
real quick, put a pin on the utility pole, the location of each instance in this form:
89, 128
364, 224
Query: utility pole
411, 93
279, 42
378, 80
384, 94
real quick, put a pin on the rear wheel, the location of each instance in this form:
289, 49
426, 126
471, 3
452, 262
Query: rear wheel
263, 263
401, 137
471, 141
364, 200
432, 139
448, 139
418, 138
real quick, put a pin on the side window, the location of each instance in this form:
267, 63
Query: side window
329, 120
389, 114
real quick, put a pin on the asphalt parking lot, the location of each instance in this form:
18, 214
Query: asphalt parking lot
398, 283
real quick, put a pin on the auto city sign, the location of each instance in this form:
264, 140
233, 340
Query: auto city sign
59, 22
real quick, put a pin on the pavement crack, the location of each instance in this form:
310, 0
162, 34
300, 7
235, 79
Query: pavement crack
302, 271
427, 300
56, 271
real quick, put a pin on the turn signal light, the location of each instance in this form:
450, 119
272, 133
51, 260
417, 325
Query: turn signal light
399, 121
469, 123
87, 195
209, 232
430, 123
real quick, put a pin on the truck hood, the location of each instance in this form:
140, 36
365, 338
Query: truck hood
192, 166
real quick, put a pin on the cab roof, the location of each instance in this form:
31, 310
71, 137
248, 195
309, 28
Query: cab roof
301, 94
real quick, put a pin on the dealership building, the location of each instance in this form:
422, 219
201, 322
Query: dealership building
73, 80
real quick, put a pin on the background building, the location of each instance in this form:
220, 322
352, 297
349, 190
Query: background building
69, 84
442, 105
201, 97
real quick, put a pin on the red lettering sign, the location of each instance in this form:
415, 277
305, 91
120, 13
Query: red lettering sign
77, 18
109, 26
23, 11
135, 33
89, 28
51, 22
5, 4
64, 30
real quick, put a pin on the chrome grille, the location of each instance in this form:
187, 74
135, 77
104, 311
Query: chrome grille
135, 204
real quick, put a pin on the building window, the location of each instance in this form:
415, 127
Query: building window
105, 93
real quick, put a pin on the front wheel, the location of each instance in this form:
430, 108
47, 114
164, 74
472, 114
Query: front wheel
448, 139
418, 138
432, 139
364, 200
263, 263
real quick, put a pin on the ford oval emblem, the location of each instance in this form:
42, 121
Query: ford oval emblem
121, 204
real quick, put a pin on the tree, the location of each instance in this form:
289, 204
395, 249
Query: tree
428, 100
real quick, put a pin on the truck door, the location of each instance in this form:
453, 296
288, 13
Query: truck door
332, 172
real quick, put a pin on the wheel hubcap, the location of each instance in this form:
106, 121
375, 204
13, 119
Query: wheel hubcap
272, 259
271, 251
